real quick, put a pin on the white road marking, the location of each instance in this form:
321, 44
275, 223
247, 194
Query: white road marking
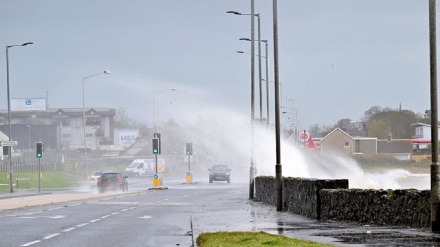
81, 225
132, 207
146, 217
123, 210
31, 243
51, 236
93, 221
115, 213
103, 217
50, 217
69, 229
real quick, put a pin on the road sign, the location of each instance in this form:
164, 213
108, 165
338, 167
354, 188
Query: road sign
304, 136
8, 143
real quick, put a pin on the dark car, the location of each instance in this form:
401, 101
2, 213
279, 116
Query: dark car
219, 173
112, 181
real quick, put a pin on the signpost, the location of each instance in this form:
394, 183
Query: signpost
8, 143
8, 149
304, 137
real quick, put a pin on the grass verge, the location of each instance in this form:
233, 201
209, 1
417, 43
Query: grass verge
48, 180
250, 239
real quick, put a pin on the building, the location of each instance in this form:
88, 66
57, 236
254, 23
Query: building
339, 141
59, 127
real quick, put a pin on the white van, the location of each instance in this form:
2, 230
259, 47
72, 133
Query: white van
144, 167
140, 167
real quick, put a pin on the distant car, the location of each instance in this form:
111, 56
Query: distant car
219, 173
115, 181
93, 179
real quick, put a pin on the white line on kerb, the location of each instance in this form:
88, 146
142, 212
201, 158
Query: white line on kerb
81, 225
31, 243
51, 236
69, 229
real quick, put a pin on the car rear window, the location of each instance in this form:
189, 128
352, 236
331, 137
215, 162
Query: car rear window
109, 175
219, 168
96, 173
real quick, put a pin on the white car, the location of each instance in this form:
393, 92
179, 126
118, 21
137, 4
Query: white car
93, 179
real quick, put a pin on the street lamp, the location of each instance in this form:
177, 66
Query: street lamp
29, 137
267, 72
154, 98
84, 120
251, 177
278, 166
259, 63
11, 189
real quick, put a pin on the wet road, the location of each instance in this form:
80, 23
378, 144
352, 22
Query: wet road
165, 217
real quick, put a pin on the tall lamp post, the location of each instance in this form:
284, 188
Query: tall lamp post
266, 80
278, 167
154, 99
435, 168
11, 189
84, 120
251, 177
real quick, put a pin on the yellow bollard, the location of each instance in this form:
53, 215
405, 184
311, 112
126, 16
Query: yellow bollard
189, 177
156, 180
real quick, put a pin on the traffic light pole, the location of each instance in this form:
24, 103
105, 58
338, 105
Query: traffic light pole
39, 176
189, 162
155, 161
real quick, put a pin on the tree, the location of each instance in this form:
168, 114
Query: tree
378, 128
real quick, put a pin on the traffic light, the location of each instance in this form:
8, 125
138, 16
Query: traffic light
156, 145
189, 148
39, 150
157, 135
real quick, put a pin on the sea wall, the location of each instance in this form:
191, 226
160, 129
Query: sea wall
325, 199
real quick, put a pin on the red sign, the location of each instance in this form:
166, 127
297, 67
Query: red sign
304, 136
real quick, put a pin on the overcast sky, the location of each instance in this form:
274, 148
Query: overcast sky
338, 58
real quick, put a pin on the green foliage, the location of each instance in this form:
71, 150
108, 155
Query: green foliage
379, 129
251, 239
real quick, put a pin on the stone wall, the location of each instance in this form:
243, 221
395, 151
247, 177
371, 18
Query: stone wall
332, 200
379, 207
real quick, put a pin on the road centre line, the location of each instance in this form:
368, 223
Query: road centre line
133, 207
115, 213
69, 229
93, 221
51, 236
31, 243
105, 216
81, 225
123, 210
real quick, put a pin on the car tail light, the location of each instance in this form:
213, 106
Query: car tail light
99, 180
120, 180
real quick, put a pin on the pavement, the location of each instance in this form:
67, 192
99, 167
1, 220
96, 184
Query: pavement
248, 215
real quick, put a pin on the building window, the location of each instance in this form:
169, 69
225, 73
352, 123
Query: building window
90, 121
346, 144
61, 121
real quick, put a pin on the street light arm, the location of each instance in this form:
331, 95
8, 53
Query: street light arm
105, 72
